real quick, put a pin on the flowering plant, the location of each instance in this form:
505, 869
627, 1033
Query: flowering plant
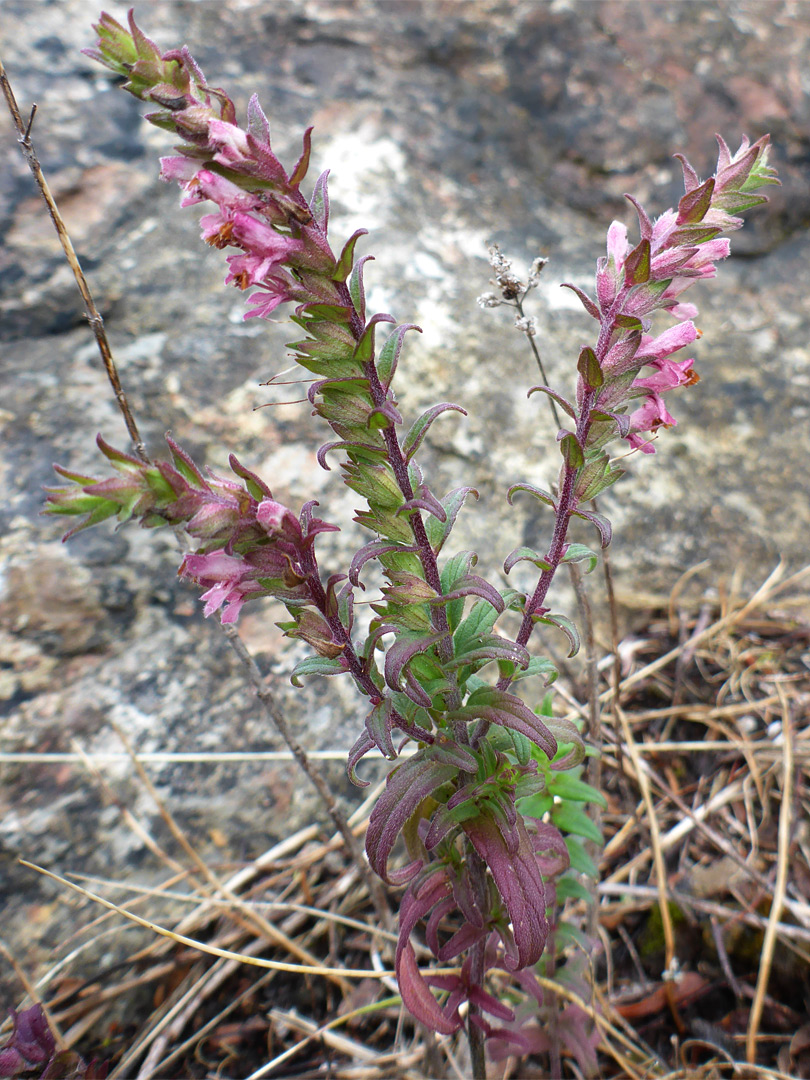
474, 802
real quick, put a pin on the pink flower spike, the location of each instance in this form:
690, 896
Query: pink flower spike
247, 270
710, 252
663, 227
216, 229
272, 516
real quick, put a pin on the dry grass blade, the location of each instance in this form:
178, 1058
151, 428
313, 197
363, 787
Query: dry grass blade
227, 954
780, 888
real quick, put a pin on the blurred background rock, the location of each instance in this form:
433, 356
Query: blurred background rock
447, 125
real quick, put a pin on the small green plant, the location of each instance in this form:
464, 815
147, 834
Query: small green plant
491, 805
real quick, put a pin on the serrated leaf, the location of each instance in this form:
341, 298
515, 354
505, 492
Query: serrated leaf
564, 404
365, 346
587, 303
602, 484
530, 489
319, 203
356, 289
346, 260
601, 523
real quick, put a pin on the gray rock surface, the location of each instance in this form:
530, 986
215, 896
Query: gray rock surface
447, 124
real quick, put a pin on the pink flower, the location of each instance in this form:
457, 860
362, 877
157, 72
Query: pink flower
274, 517
228, 196
263, 240
265, 303
670, 373
618, 246
231, 579
181, 169
230, 143
658, 348
649, 417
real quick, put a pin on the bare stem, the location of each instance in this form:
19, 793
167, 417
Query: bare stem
539, 359
91, 311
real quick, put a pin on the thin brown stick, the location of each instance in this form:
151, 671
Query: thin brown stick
91, 311
780, 888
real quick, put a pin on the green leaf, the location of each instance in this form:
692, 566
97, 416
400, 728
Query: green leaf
572, 820
589, 369
575, 790
525, 554
536, 805
389, 354
346, 260
564, 404
530, 489
637, 264
580, 859
562, 622
570, 888
523, 748
538, 665
365, 346
438, 531
420, 426
571, 451
695, 204
579, 553
315, 665
628, 322
600, 484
